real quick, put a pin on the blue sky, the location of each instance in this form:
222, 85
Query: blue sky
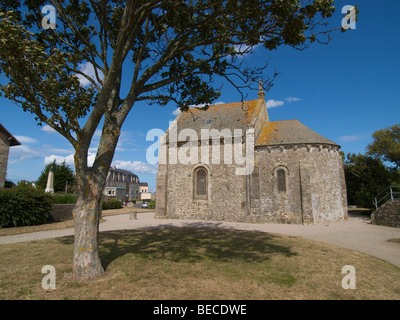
345, 91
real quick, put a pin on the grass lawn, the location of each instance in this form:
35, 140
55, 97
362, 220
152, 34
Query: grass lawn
203, 263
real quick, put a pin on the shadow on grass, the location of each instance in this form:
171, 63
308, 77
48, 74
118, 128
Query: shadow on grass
194, 243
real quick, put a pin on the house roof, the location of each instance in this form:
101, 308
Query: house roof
12, 140
289, 132
235, 115
114, 169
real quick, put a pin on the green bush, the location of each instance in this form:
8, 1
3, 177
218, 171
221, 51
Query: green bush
24, 205
152, 204
104, 205
111, 204
66, 198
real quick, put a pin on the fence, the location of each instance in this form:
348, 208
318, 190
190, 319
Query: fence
389, 193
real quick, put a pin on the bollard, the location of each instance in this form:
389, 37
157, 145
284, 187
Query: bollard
133, 215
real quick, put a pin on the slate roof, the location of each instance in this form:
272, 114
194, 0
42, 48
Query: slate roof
241, 115
235, 115
13, 141
289, 132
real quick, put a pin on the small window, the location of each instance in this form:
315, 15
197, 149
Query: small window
200, 184
281, 180
208, 121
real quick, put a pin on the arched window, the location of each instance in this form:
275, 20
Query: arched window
281, 176
200, 184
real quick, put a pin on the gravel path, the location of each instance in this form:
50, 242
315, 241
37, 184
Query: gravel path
355, 233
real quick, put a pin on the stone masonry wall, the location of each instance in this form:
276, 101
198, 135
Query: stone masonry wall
4, 150
61, 212
315, 188
226, 192
387, 215
314, 182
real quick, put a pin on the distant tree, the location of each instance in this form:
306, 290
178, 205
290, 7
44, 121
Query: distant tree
366, 176
63, 175
386, 145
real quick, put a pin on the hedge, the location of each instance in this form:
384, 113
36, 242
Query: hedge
64, 198
111, 204
24, 205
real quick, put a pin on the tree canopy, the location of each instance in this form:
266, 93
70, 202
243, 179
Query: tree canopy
386, 145
366, 177
63, 176
367, 174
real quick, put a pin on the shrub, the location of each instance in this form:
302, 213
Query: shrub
24, 205
104, 205
152, 204
66, 198
111, 204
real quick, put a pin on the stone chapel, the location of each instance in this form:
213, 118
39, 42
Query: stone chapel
297, 175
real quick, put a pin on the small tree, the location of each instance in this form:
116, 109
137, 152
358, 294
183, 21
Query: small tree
63, 176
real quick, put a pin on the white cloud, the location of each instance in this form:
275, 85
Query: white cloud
350, 138
48, 129
23, 152
24, 139
292, 99
88, 69
69, 159
26, 152
274, 103
176, 112
136, 166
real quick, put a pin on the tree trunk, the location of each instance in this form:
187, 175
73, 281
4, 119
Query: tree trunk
87, 211
86, 260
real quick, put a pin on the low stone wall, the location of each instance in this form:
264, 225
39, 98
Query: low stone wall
387, 215
61, 212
